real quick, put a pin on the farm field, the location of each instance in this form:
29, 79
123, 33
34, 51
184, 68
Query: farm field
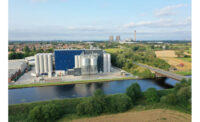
183, 65
154, 115
165, 54
175, 62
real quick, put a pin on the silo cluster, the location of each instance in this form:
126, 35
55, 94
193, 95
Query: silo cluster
106, 62
87, 63
43, 64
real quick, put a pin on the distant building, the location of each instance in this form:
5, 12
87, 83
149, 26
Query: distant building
110, 38
117, 38
135, 35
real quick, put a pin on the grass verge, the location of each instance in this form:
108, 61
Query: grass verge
184, 72
68, 82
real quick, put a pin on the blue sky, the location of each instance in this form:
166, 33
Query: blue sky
98, 19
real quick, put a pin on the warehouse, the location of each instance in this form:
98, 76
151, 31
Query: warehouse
16, 68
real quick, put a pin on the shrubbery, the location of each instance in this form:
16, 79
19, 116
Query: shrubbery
169, 99
151, 95
181, 95
44, 113
100, 103
118, 103
134, 91
89, 107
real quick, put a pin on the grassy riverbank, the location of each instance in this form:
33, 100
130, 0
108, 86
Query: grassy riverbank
67, 82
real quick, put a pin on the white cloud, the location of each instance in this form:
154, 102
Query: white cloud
159, 23
168, 10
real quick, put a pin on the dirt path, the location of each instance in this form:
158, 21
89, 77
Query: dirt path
155, 115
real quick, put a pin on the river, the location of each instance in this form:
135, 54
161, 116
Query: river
25, 95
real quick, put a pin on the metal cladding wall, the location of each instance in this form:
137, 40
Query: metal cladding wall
65, 59
99, 59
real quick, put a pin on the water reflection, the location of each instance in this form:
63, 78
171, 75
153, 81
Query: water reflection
80, 90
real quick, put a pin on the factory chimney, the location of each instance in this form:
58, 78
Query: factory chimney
135, 35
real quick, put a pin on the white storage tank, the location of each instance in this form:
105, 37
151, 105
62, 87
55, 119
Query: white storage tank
45, 57
105, 63
76, 61
37, 65
93, 64
109, 62
79, 59
41, 63
85, 65
50, 64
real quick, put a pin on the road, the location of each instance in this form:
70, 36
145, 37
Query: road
163, 72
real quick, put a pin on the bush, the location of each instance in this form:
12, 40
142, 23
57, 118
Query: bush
118, 103
151, 95
134, 91
89, 107
169, 99
44, 113
184, 94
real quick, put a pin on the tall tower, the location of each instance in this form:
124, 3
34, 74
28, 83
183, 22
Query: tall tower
111, 38
118, 38
135, 34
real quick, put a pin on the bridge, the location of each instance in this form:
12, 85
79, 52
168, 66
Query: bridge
163, 73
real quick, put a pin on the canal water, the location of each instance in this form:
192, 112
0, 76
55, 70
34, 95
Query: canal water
24, 95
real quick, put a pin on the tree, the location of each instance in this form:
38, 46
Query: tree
15, 56
26, 49
134, 91
89, 107
44, 113
118, 103
151, 95
169, 99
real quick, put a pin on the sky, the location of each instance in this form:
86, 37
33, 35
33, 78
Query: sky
98, 19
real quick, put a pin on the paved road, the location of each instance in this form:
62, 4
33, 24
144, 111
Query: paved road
163, 72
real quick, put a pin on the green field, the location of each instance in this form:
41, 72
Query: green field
184, 73
186, 59
113, 50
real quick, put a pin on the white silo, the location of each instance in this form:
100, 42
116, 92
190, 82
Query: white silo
41, 63
79, 61
76, 61
50, 65
37, 64
45, 57
105, 63
93, 64
109, 61
85, 65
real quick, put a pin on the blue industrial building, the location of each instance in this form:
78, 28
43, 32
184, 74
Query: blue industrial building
64, 59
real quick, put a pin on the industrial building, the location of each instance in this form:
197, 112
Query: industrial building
16, 68
72, 62
44, 64
81, 62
